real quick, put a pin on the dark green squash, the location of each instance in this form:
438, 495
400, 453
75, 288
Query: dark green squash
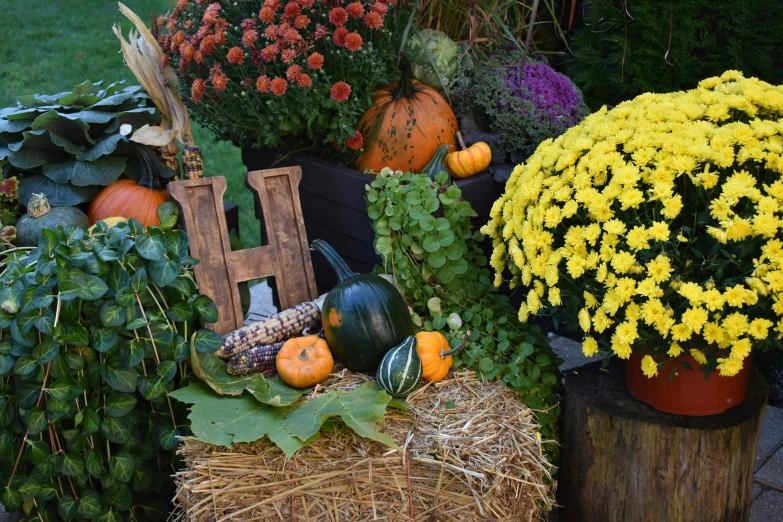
41, 215
437, 163
364, 316
401, 369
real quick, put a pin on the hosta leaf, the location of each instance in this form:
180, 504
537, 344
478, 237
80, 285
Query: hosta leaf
72, 465
59, 195
207, 341
120, 377
152, 246
122, 466
116, 429
120, 404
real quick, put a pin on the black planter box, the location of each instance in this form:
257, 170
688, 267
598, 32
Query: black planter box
335, 210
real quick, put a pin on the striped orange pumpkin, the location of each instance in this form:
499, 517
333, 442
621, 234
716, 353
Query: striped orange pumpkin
465, 163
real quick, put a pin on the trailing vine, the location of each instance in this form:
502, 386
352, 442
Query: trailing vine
424, 234
95, 332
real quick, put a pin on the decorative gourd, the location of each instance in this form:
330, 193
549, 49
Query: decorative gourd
436, 354
474, 159
364, 316
405, 126
437, 163
131, 199
400, 370
304, 361
41, 215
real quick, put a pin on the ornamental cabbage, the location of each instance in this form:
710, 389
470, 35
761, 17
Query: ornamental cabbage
437, 59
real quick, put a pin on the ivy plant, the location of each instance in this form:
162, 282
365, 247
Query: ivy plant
423, 233
96, 329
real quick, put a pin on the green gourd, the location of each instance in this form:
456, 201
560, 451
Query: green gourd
41, 215
363, 317
437, 163
400, 370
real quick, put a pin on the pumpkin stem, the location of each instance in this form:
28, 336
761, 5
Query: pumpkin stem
461, 141
405, 87
38, 206
462, 345
304, 355
148, 164
338, 264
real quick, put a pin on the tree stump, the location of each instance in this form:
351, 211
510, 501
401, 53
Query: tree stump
623, 461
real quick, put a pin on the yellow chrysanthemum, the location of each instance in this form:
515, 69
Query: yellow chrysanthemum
589, 347
729, 367
675, 350
649, 368
699, 356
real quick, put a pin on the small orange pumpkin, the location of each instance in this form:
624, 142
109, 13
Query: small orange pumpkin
304, 361
131, 199
436, 355
405, 126
465, 163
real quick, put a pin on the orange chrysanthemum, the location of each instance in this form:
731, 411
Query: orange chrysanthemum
279, 86
197, 89
164, 61
353, 42
198, 57
291, 35
355, 10
179, 37
293, 73
381, 8
292, 9
270, 33
304, 80
249, 38
373, 20
182, 4
269, 53
355, 142
207, 45
220, 81
220, 37
263, 83
339, 36
338, 16
187, 51
315, 61
306, 4
301, 22
236, 55
288, 55
266, 15
340, 92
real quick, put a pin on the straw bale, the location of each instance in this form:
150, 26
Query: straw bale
468, 452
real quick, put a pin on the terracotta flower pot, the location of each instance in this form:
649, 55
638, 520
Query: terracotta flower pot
688, 393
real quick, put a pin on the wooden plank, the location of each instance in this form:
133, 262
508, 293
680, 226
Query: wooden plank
286, 258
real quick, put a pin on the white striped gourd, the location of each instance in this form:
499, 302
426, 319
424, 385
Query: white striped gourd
400, 370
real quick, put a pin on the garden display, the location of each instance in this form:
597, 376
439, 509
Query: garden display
654, 227
41, 215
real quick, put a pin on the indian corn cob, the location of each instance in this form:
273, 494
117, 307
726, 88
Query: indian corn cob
254, 360
191, 159
280, 327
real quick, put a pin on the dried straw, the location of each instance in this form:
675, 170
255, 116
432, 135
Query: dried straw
468, 451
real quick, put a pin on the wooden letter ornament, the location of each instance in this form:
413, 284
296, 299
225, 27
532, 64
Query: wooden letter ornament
286, 257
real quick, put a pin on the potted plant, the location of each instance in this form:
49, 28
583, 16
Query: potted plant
656, 227
289, 83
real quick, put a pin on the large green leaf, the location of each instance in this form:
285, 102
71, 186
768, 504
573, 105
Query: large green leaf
152, 246
102, 171
102, 148
207, 341
74, 131
34, 150
59, 195
120, 377
122, 466
226, 420
272, 391
163, 271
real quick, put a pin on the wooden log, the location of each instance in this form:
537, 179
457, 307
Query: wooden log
623, 461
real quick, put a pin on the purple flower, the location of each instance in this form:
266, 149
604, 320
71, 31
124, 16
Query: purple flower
553, 95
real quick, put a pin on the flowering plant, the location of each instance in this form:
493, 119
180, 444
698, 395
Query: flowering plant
520, 104
274, 72
657, 224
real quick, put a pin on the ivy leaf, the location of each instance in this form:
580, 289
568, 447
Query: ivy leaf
70, 333
91, 422
46, 351
72, 465
119, 496
163, 271
207, 341
7, 363
64, 390
120, 377
125, 297
166, 370
29, 488
131, 352
112, 314
362, 409
167, 437
116, 429
36, 421
109, 516
138, 280
205, 307
179, 310
38, 452
103, 339
25, 366
152, 246
118, 279
67, 507
120, 404
122, 466
89, 504
92, 459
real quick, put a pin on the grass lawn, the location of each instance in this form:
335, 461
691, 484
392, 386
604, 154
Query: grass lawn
50, 46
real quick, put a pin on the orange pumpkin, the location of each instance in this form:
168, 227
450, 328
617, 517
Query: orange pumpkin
465, 163
436, 354
304, 361
405, 126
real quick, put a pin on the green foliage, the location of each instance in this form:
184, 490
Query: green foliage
70, 144
228, 419
88, 358
657, 46
424, 234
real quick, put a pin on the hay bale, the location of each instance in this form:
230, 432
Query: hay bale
469, 451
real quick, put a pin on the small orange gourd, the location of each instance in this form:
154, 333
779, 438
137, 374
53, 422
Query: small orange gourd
436, 355
304, 361
465, 163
